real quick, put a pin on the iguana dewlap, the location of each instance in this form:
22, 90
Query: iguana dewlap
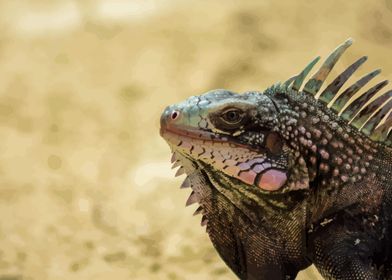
292, 175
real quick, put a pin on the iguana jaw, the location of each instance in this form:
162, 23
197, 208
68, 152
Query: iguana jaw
235, 160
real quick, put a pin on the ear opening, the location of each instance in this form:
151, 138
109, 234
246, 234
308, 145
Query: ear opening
274, 143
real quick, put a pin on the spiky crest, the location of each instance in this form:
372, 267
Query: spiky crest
373, 119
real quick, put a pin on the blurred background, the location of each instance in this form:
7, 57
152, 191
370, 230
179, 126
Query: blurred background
86, 189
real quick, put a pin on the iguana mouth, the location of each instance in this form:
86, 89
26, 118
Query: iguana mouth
176, 135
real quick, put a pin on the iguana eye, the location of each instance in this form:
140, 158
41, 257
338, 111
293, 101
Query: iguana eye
232, 116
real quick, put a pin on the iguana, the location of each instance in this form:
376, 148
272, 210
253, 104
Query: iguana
292, 176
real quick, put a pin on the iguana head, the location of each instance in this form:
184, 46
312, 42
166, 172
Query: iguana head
237, 136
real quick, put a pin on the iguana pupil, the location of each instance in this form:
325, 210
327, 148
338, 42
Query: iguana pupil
232, 116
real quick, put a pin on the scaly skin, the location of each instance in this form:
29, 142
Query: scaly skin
284, 182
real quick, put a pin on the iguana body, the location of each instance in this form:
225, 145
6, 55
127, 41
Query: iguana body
283, 181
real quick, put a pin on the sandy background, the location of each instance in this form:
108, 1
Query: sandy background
86, 189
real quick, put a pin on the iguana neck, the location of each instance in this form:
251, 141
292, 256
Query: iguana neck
339, 159
334, 152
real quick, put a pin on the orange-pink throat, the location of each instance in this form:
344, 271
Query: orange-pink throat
250, 166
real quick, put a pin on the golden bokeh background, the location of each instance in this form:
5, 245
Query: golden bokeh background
86, 187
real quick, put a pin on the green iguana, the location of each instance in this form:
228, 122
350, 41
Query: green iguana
292, 176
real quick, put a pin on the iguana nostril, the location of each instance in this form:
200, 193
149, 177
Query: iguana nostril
174, 115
